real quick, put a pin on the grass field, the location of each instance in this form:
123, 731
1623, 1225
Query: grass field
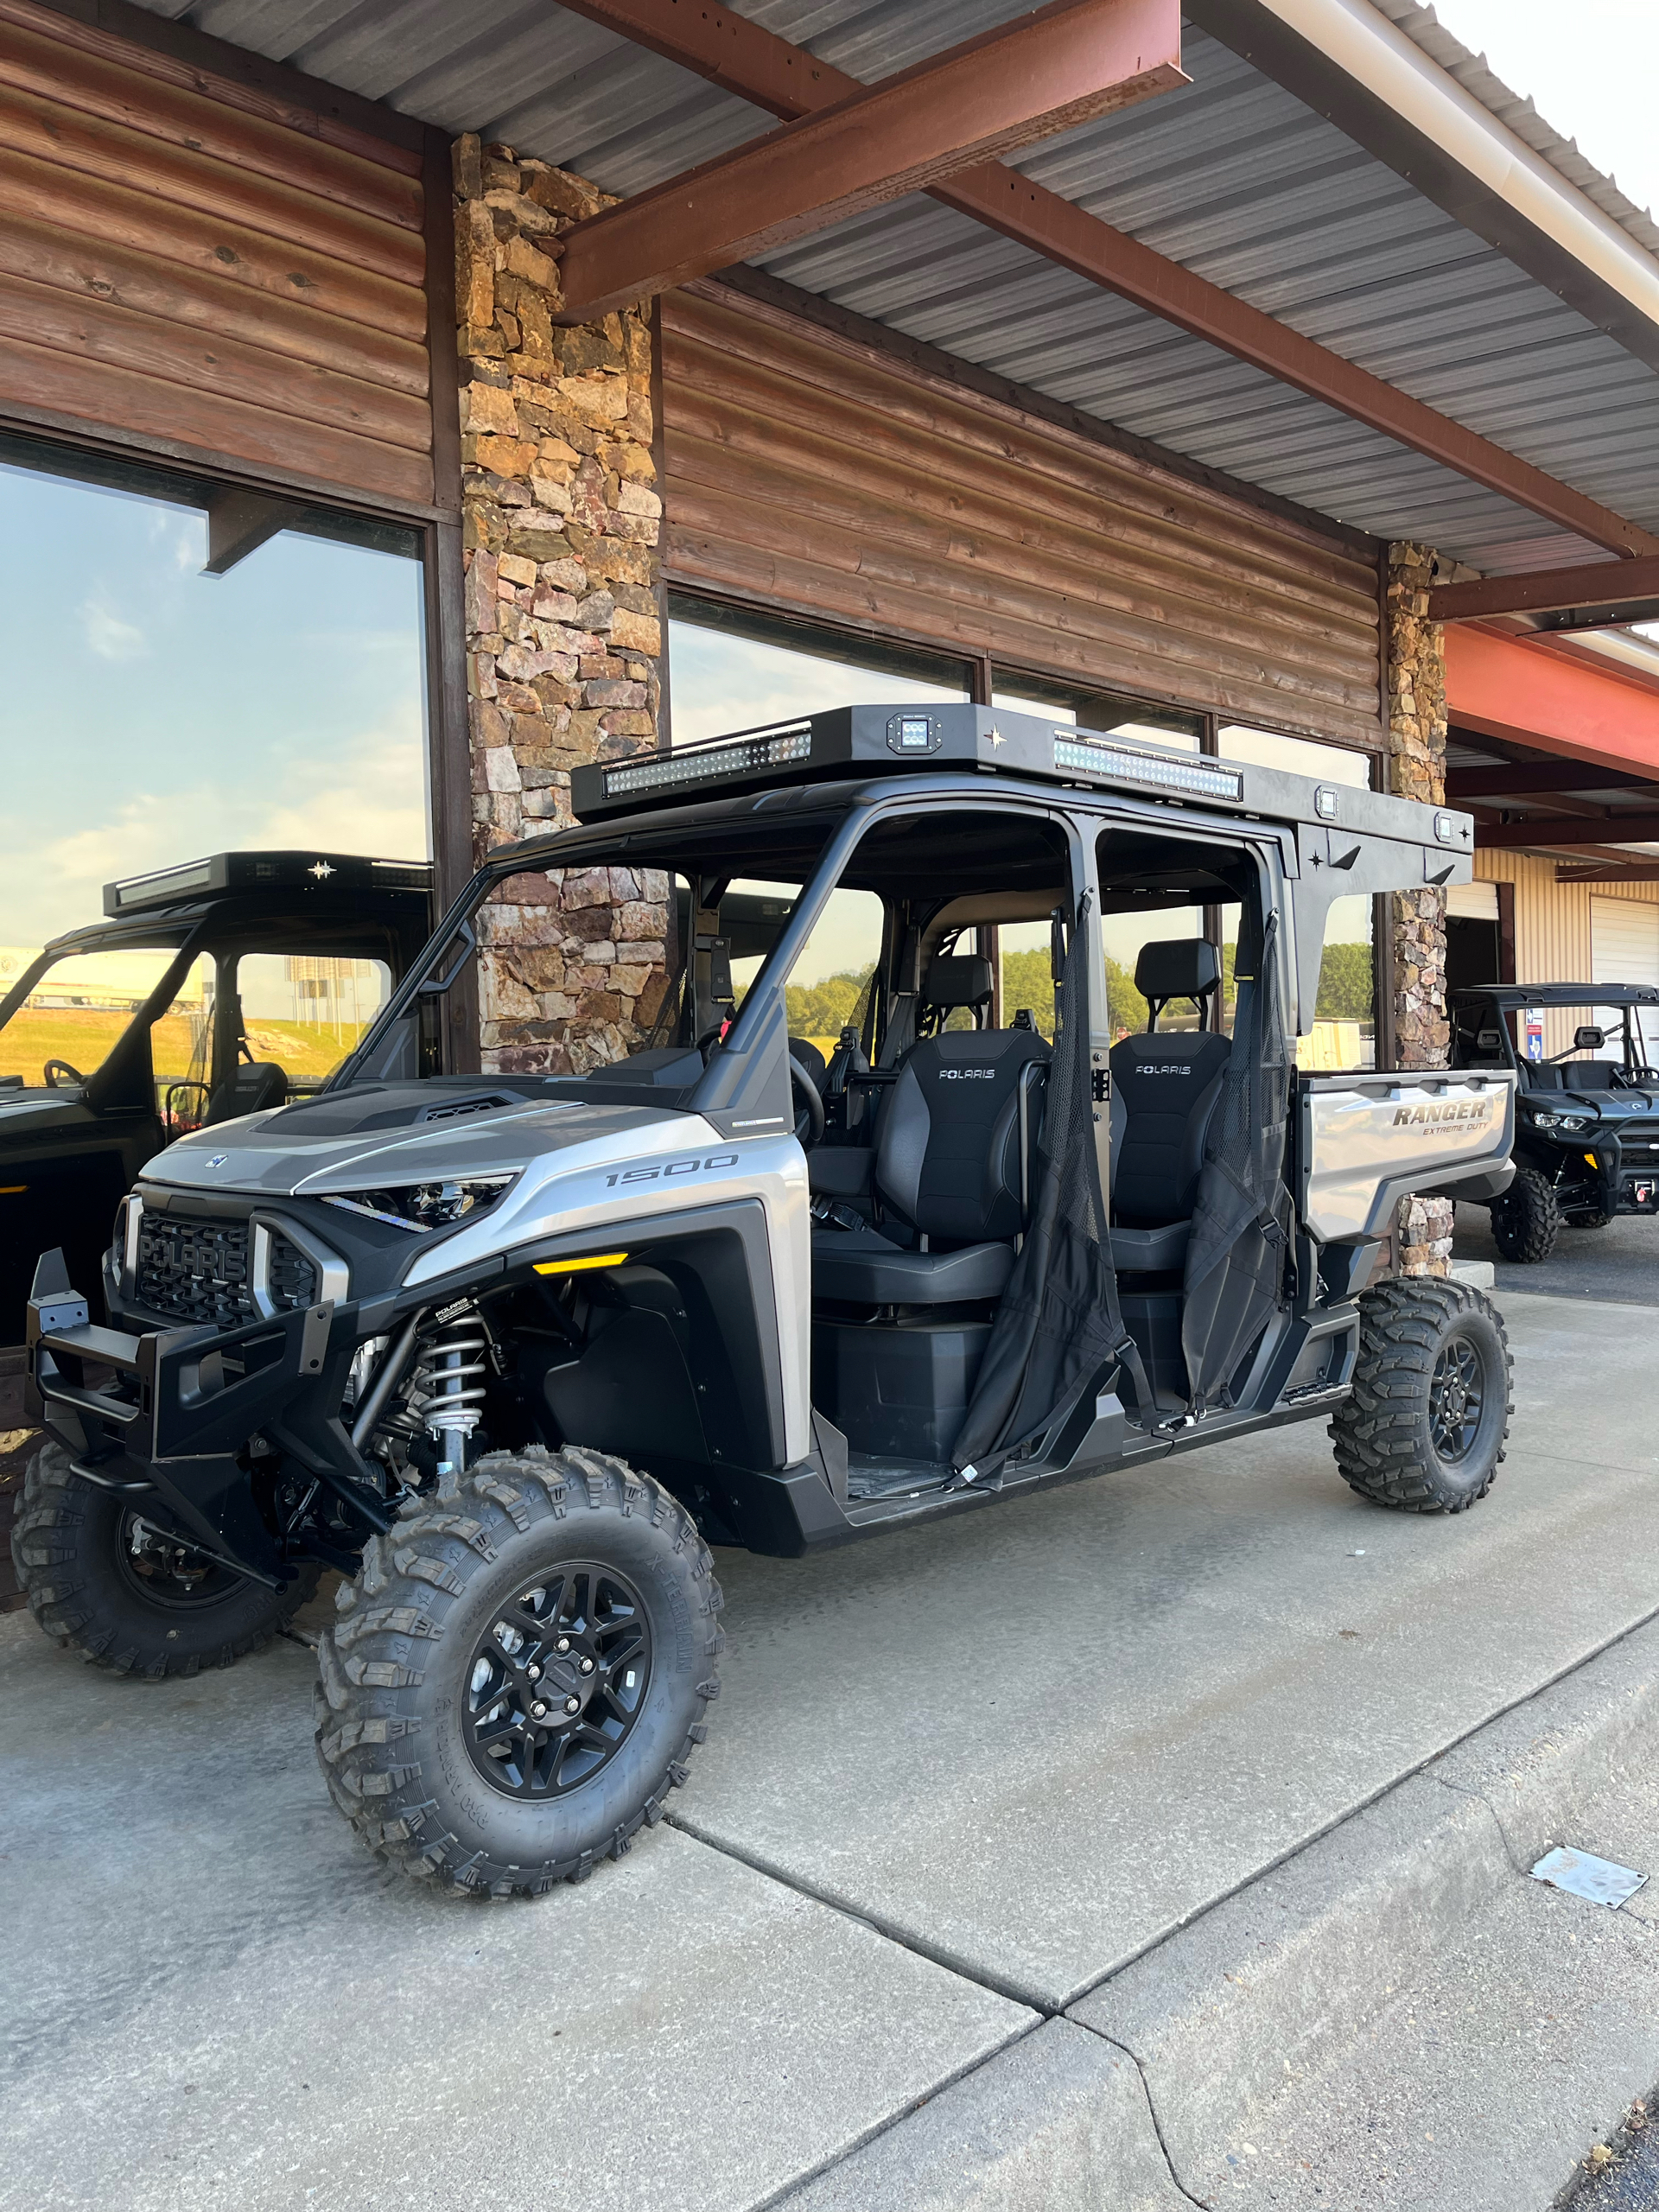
85, 1037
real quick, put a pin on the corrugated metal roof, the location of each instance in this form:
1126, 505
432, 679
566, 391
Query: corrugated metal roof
1232, 177
1424, 29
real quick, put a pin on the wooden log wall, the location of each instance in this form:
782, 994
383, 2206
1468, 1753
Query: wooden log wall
195, 262
806, 473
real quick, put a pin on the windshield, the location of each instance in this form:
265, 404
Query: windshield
79, 1008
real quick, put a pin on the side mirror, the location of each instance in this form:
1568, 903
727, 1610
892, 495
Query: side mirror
1490, 1040
1588, 1039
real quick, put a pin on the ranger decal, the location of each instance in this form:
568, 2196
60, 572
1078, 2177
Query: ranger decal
1450, 1110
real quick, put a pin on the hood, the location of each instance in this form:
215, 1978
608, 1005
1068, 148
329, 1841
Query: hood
38, 1108
386, 1135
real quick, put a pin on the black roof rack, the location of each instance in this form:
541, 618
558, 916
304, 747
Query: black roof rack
253, 872
858, 743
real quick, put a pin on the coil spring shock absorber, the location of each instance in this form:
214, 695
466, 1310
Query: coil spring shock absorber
447, 1390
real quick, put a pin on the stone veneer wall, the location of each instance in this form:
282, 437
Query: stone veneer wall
1416, 661
564, 641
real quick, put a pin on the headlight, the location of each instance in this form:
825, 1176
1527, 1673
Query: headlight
1543, 1119
425, 1205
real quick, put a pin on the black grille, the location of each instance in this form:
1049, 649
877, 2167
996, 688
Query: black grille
293, 1277
201, 1271
198, 1270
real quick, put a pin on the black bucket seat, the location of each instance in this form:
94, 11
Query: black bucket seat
1164, 1092
947, 1163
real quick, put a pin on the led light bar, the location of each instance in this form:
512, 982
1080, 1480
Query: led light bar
674, 770
1093, 756
145, 890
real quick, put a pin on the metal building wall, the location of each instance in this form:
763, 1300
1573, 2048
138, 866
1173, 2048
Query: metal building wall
1552, 926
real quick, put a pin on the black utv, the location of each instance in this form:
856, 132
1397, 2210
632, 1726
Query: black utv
216, 988
1586, 1124
511, 1349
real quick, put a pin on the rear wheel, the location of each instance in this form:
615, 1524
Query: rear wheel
1588, 1220
1526, 1220
1425, 1426
125, 1595
520, 1672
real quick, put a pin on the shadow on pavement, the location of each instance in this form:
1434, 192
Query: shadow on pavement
1619, 1263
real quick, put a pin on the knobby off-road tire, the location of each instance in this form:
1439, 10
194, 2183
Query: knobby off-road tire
1526, 1220
71, 1545
539, 1561
1587, 1220
1425, 1426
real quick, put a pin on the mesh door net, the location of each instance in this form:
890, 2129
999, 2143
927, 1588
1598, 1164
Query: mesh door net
1058, 1327
1240, 1222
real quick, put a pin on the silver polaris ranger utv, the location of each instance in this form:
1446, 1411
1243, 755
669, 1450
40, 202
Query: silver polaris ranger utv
509, 1351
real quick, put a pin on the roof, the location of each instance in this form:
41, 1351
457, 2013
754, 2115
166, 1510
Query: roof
857, 749
1509, 997
1236, 176
256, 874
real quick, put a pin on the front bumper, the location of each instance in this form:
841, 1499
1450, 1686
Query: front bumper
170, 1427
1607, 1171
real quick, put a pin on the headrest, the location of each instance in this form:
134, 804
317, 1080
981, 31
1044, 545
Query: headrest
961, 979
1177, 968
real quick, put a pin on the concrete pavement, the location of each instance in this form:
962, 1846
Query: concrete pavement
960, 1779
1615, 1266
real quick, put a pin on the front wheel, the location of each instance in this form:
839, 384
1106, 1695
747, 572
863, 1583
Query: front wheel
520, 1672
1526, 1220
1425, 1426
100, 1579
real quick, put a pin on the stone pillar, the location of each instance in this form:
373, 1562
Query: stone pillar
1416, 654
564, 641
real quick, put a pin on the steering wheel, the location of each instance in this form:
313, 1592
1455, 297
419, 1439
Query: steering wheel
53, 1069
809, 1112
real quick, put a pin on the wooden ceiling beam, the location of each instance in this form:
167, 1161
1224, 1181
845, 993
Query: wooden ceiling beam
770, 73
1064, 64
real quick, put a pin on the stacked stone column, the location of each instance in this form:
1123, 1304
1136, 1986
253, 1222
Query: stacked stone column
563, 637
1417, 727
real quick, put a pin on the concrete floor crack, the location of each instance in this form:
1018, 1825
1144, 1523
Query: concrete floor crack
1204, 2203
1048, 2007
800, 2182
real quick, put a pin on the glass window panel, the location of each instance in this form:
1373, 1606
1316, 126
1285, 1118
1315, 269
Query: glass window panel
1228, 1002
829, 984
308, 1011
153, 713
724, 678
1343, 1036
1123, 935
1027, 962
1301, 756
81, 1007
1096, 710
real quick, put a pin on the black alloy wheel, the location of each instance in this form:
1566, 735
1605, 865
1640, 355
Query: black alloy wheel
520, 1671
168, 1574
1457, 1393
102, 1580
557, 1681
1424, 1426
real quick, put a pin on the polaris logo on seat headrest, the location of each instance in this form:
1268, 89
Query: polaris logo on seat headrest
1165, 1068
966, 1075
